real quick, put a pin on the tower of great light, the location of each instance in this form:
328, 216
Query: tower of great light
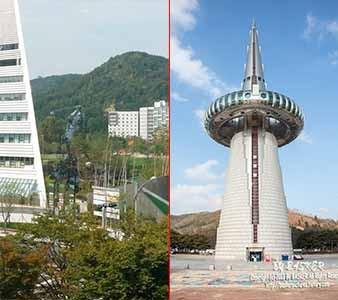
20, 162
254, 122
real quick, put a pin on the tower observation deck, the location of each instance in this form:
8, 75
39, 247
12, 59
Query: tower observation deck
254, 122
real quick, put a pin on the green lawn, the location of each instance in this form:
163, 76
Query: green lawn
52, 157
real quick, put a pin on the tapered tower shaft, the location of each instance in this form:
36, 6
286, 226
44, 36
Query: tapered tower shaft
254, 216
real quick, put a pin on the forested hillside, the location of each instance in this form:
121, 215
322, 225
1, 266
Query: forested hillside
131, 80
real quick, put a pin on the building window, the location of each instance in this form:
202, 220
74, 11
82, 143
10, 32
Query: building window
9, 47
15, 138
16, 162
12, 97
11, 79
9, 62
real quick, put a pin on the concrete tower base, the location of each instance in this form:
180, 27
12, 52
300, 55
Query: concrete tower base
254, 218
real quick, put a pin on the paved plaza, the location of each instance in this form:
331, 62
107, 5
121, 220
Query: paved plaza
191, 278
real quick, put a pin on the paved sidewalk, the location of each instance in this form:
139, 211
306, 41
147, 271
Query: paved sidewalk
252, 294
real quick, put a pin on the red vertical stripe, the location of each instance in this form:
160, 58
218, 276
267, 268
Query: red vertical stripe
254, 182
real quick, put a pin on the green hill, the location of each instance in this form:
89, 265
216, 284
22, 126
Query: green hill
133, 80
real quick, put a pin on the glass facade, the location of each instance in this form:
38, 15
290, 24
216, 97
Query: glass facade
15, 162
15, 138
13, 116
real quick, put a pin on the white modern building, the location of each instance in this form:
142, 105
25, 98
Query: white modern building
254, 122
141, 123
20, 162
152, 118
123, 123
146, 122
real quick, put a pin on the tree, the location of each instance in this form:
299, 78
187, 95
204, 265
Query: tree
85, 261
7, 200
134, 268
20, 268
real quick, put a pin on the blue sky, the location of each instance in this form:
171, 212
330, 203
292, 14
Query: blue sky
299, 41
76, 36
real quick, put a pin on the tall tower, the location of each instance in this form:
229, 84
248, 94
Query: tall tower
20, 162
254, 122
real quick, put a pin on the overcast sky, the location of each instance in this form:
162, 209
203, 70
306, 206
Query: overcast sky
76, 36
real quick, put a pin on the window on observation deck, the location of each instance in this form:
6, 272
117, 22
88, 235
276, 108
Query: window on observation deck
288, 103
240, 97
225, 101
9, 47
277, 103
294, 108
270, 98
233, 98
283, 102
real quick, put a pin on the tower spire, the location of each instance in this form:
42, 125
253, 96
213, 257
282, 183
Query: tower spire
253, 74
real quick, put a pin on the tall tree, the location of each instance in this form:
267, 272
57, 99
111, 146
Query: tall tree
20, 269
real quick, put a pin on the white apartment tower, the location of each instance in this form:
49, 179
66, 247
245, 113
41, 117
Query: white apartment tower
152, 118
254, 122
123, 123
146, 122
141, 123
20, 162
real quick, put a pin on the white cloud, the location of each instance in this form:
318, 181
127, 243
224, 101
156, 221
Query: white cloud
184, 63
316, 28
305, 138
177, 97
333, 57
193, 198
203, 172
193, 71
320, 29
200, 113
182, 14
323, 210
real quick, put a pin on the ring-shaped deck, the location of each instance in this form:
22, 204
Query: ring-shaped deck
284, 116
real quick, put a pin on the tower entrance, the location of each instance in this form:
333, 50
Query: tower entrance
255, 254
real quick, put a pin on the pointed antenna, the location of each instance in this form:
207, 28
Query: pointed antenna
253, 23
254, 70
